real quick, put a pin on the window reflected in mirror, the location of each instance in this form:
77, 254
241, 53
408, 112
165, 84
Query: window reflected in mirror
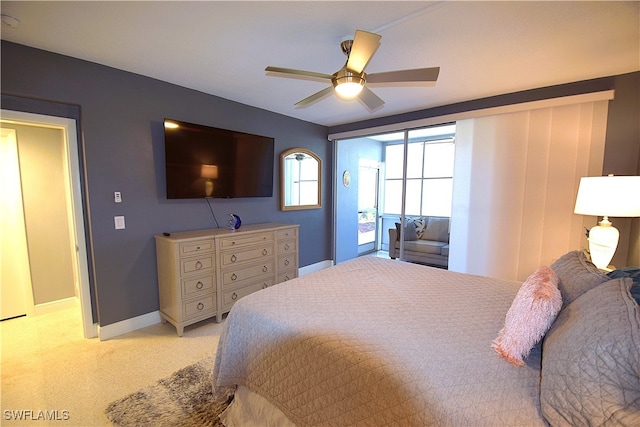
300, 180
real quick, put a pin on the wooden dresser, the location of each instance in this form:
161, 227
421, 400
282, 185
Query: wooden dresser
202, 273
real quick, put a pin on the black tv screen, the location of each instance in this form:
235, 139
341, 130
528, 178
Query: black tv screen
203, 161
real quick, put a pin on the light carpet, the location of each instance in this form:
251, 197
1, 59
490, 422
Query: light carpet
184, 399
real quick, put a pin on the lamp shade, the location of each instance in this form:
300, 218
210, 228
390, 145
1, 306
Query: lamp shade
209, 171
614, 196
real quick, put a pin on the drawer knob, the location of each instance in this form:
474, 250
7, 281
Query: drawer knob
234, 296
197, 248
199, 285
286, 262
286, 247
198, 265
200, 306
265, 286
233, 258
233, 276
264, 252
265, 268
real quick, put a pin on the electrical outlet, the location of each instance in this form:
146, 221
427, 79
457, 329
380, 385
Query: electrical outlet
117, 197
119, 222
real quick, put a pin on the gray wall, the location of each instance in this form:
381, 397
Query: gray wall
622, 157
349, 152
121, 125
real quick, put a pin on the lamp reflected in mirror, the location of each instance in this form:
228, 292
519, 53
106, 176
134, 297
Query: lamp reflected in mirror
300, 180
210, 173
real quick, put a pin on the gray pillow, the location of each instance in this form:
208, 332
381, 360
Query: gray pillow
437, 229
577, 275
591, 360
409, 231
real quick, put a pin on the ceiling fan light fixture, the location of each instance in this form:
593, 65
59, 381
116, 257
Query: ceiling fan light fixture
348, 90
348, 84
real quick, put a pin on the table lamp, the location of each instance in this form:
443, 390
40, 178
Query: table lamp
607, 196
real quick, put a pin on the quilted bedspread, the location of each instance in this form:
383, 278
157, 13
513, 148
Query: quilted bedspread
374, 341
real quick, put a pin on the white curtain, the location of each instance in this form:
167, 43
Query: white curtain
515, 181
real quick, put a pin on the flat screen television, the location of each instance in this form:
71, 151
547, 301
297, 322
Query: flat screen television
202, 161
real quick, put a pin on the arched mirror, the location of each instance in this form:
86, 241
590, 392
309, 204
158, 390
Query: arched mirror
300, 180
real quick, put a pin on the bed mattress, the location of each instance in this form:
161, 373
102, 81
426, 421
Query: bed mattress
374, 341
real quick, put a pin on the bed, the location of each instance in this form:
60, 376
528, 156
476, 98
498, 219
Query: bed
374, 341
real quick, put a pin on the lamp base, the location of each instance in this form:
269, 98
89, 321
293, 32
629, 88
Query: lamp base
208, 188
603, 241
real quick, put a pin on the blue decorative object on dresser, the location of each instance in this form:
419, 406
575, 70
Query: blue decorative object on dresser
235, 222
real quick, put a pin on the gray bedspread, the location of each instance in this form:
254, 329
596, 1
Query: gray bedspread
379, 342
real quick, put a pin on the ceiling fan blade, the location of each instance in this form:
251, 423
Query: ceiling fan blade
402, 76
370, 99
315, 97
364, 46
299, 72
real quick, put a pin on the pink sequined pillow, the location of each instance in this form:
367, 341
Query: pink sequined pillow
530, 316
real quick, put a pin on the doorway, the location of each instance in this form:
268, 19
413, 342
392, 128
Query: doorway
413, 180
73, 253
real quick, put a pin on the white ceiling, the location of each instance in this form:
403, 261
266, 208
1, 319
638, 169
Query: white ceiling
221, 48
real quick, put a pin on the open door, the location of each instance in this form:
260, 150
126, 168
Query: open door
68, 166
14, 268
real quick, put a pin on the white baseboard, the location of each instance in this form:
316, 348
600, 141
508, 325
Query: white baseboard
315, 267
53, 306
128, 325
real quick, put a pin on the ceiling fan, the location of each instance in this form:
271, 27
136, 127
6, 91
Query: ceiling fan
349, 81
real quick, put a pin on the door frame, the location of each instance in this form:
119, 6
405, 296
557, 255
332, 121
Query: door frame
79, 238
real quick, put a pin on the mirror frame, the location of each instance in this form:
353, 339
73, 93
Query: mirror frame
308, 152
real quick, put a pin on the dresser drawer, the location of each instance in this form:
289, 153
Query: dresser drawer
200, 264
229, 297
236, 275
200, 307
287, 246
244, 240
285, 262
284, 276
288, 233
248, 254
191, 287
193, 248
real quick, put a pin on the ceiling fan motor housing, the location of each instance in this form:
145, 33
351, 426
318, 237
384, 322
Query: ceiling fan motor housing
346, 46
347, 83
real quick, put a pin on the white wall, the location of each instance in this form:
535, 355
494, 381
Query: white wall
515, 181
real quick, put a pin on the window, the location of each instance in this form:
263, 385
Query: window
429, 174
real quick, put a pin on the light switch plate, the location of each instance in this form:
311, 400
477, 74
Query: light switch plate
119, 222
117, 197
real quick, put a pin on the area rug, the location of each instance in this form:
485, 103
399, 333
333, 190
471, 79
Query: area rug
184, 399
